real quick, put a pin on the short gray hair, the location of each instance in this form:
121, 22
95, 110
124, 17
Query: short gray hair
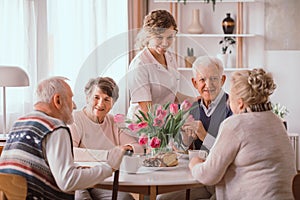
207, 62
106, 84
48, 87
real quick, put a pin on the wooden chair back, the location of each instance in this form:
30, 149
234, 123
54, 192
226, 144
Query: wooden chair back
296, 187
12, 187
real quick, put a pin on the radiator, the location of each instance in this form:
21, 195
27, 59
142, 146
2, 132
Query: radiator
294, 139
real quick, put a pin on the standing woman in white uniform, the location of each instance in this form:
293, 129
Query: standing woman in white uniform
153, 77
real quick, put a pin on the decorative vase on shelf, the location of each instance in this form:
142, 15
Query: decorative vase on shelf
228, 24
195, 27
223, 58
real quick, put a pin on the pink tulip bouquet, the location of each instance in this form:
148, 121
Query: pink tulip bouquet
159, 125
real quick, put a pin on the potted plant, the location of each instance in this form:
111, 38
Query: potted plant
207, 1
190, 58
226, 43
281, 111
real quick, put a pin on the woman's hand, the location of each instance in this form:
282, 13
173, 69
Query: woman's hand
127, 148
195, 161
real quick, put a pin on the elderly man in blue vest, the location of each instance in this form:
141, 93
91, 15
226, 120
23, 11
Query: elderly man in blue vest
209, 111
212, 108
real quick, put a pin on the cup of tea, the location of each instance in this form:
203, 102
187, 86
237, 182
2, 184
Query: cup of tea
197, 153
131, 164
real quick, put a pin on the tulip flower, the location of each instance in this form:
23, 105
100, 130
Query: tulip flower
173, 108
133, 127
185, 105
155, 142
119, 118
143, 139
142, 125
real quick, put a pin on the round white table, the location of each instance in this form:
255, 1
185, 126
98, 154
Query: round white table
154, 181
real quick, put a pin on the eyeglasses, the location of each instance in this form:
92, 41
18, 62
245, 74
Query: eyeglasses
212, 79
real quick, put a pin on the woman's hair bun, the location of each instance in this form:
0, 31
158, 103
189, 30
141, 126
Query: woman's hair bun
261, 82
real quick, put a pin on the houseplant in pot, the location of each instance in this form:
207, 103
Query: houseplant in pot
281, 111
190, 58
207, 1
226, 44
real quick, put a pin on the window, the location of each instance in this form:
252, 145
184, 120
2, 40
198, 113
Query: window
78, 39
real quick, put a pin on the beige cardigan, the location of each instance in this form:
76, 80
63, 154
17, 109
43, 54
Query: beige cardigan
252, 158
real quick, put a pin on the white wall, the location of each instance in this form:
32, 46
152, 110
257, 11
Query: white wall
283, 64
285, 67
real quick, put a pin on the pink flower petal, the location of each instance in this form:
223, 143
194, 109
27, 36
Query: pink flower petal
119, 118
143, 139
173, 108
186, 105
155, 142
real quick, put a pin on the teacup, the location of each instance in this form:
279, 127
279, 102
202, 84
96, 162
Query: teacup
131, 164
197, 153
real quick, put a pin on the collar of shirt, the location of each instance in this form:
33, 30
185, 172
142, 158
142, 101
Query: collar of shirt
212, 106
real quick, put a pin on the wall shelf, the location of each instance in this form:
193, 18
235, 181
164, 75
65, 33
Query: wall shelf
225, 69
199, 1
249, 34
214, 35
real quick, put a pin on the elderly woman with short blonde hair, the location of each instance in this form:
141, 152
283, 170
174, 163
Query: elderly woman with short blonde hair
252, 155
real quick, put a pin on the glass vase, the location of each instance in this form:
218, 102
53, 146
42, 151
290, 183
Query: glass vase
166, 145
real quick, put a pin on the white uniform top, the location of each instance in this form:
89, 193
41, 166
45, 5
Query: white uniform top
148, 80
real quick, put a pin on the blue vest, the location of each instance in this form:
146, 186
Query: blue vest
23, 155
221, 112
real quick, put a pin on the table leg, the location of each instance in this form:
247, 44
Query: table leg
115, 185
187, 194
141, 197
153, 192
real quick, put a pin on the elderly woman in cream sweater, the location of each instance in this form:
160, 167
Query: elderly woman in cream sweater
94, 131
252, 156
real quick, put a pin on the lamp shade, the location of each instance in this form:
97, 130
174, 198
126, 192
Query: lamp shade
11, 76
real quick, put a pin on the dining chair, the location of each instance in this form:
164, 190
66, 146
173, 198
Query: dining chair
296, 186
12, 187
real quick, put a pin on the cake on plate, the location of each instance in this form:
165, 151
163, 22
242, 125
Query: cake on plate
168, 159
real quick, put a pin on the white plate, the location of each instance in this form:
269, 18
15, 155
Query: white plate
182, 155
160, 168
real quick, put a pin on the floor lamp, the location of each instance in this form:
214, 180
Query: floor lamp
11, 76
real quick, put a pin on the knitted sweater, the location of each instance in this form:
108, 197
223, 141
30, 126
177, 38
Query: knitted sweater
252, 158
23, 155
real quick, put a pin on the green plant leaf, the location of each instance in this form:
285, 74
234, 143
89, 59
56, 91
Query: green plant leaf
143, 115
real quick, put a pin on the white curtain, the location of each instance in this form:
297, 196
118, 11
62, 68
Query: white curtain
17, 48
78, 39
88, 38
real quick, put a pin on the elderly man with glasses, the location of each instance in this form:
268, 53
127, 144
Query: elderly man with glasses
209, 111
212, 108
